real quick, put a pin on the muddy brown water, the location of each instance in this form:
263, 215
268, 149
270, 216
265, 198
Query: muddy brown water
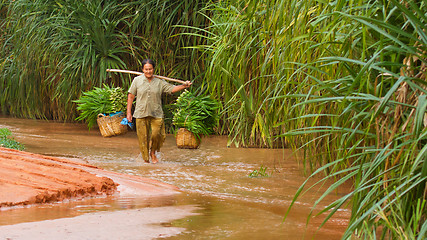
214, 178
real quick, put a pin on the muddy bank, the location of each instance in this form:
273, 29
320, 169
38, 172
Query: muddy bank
28, 178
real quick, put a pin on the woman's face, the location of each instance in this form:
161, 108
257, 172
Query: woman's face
148, 70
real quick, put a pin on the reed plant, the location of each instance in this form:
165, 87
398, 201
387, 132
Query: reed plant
253, 49
366, 115
342, 82
53, 51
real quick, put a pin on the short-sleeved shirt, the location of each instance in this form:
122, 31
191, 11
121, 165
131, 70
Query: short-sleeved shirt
149, 96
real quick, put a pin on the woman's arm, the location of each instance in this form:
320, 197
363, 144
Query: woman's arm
178, 88
131, 97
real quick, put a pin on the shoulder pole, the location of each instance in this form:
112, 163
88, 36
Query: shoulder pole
140, 73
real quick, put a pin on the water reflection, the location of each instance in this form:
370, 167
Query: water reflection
214, 177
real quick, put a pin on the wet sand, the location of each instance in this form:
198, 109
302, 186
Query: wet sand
27, 179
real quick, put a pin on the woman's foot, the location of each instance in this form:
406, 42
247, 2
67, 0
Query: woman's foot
142, 159
154, 158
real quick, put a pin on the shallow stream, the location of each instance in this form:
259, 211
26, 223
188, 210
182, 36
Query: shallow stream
215, 178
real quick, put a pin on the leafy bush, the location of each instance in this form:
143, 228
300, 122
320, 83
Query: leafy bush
7, 141
262, 172
198, 114
100, 100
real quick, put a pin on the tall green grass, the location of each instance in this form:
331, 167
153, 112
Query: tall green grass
52, 51
375, 130
344, 83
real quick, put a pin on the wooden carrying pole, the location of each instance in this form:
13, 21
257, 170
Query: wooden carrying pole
140, 73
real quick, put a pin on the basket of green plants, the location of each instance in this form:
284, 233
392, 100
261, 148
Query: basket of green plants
104, 106
194, 116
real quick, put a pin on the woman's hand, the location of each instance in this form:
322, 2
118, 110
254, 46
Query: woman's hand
178, 88
187, 84
129, 117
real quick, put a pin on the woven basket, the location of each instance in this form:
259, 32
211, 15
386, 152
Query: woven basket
110, 126
186, 139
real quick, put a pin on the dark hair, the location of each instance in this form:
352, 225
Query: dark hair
149, 61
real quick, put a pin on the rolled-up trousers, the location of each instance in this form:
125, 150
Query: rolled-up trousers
152, 130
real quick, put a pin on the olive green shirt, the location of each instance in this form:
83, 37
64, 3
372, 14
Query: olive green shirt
149, 96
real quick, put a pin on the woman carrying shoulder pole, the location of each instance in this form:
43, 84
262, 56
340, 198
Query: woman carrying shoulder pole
148, 109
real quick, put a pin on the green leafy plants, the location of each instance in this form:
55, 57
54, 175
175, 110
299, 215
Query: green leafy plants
197, 114
7, 140
118, 98
262, 172
100, 100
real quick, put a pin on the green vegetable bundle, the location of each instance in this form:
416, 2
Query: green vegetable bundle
198, 114
100, 100
118, 99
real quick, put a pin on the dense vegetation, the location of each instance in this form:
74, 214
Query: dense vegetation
52, 51
343, 81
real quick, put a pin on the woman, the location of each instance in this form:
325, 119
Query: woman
148, 109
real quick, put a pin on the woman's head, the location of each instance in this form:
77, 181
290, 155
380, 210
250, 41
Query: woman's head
148, 68
149, 61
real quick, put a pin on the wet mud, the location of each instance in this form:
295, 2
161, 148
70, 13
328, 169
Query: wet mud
27, 178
